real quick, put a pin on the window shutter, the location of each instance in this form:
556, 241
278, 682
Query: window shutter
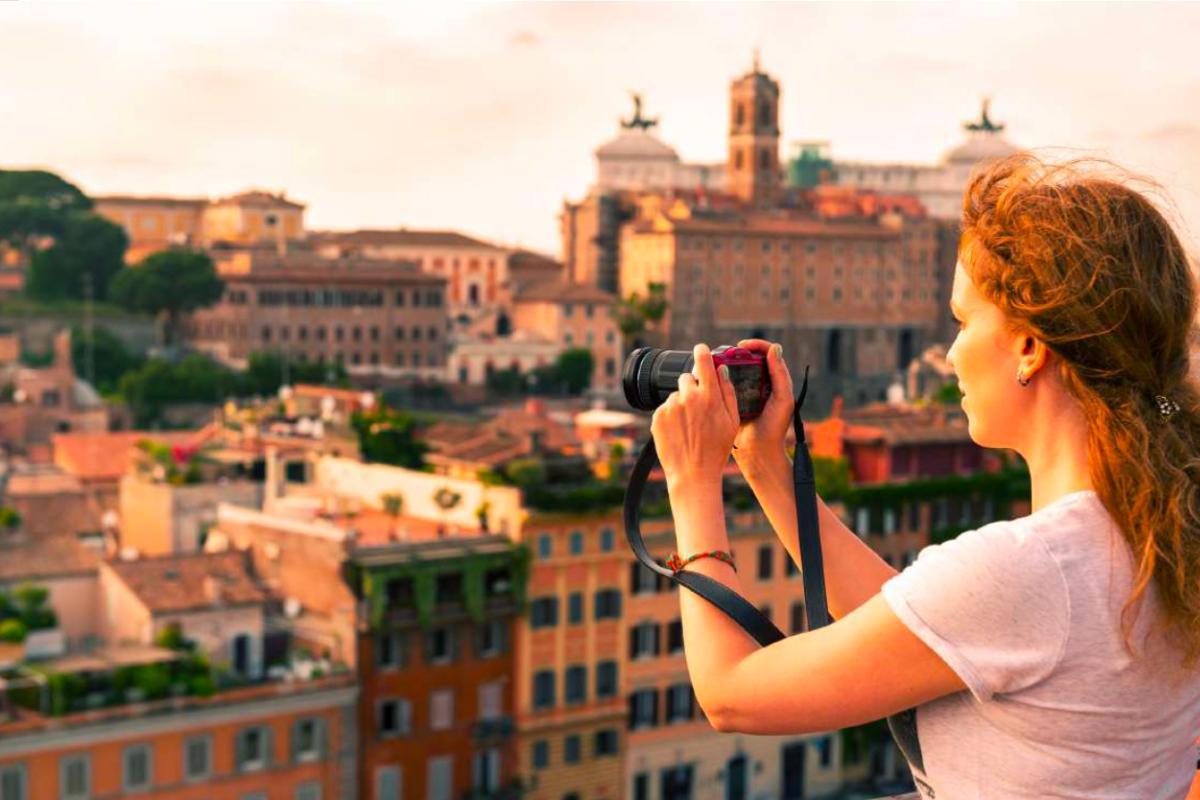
633, 642
632, 703
455, 642
239, 749
294, 740
657, 638
268, 746
653, 708
321, 734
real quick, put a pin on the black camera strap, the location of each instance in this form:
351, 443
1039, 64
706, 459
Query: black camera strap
734, 605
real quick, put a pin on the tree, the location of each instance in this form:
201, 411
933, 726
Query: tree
393, 506
948, 393
110, 357
387, 436
87, 247
169, 284
635, 313
264, 373
34, 204
574, 367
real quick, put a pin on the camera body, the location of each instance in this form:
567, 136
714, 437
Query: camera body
650, 375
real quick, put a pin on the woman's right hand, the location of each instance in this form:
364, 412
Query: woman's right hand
764, 436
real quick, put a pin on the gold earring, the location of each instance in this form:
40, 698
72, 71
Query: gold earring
1022, 379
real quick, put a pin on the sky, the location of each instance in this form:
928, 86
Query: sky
483, 117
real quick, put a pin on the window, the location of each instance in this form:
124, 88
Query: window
679, 702
387, 783
75, 777
606, 679
568, 310
575, 689
306, 739
571, 749
643, 708
605, 742
641, 786
197, 758
608, 604
309, 790
797, 617
675, 783
642, 579
393, 717
253, 748
441, 709
485, 772
675, 636
606, 540
575, 608
491, 700
13, 782
576, 542
543, 689
545, 544
789, 566
441, 645
136, 767
390, 651
643, 640
400, 334
543, 612
541, 754
439, 776
489, 640
765, 554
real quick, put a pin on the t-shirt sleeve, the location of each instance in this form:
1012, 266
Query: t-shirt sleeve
992, 602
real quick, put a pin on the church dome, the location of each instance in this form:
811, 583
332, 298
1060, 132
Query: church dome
981, 146
636, 143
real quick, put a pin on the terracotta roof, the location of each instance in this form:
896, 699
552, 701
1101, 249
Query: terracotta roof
260, 198
105, 456
555, 291
193, 582
150, 200
777, 225
25, 557
401, 237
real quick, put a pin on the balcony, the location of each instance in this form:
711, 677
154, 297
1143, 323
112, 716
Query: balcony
492, 729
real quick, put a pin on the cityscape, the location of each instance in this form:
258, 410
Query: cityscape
291, 511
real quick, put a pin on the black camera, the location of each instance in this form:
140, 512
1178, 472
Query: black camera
650, 375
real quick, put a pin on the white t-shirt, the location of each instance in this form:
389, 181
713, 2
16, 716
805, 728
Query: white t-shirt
1027, 613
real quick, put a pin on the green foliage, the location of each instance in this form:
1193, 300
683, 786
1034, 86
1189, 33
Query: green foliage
30, 605
948, 393
574, 369
65, 692
525, 472
578, 498
387, 436
446, 498
171, 637
110, 357
87, 247
169, 283
35, 204
154, 680
264, 373
158, 383
13, 630
9, 518
393, 504
832, 476
507, 382
635, 313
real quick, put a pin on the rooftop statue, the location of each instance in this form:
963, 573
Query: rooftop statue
638, 121
985, 123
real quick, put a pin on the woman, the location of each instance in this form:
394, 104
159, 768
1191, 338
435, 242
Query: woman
1052, 655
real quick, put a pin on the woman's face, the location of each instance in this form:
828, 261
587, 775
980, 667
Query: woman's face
985, 357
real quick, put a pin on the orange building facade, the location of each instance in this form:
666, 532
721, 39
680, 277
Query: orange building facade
269, 742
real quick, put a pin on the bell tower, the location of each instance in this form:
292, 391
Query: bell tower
752, 171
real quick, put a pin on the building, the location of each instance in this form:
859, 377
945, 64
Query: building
37, 402
473, 360
249, 218
155, 223
940, 186
752, 171
294, 740
373, 316
475, 272
637, 160
576, 315
853, 296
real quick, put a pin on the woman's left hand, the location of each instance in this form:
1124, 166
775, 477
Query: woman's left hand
695, 428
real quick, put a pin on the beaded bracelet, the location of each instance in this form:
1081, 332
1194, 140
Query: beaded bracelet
675, 563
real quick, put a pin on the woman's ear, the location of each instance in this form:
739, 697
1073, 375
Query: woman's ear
1033, 354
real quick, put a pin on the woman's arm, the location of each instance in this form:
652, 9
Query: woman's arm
862, 667
854, 573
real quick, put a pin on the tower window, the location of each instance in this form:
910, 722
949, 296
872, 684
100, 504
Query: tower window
764, 114
740, 114
737, 159
764, 159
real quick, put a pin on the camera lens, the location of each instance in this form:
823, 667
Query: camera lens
651, 374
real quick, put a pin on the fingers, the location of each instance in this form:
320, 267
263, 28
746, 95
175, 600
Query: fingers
702, 366
755, 345
728, 396
781, 379
687, 384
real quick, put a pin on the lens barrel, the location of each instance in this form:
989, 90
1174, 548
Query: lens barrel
650, 375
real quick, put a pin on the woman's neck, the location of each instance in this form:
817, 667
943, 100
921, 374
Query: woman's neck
1057, 455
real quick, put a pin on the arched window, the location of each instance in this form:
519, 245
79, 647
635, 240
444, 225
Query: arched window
739, 116
764, 113
764, 159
